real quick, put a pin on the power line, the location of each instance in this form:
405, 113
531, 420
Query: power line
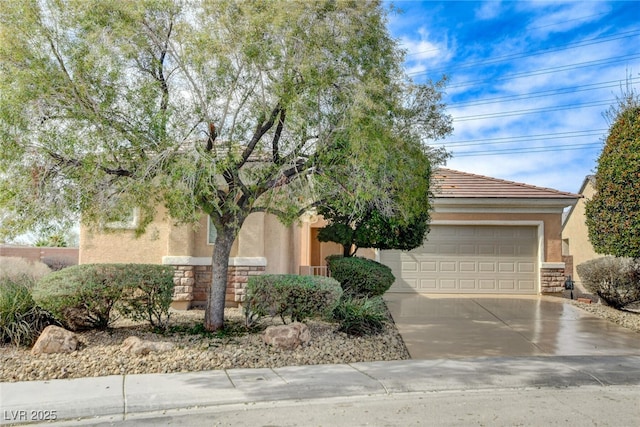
587, 42
515, 138
551, 70
521, 139
567, 147
568, 20
544, 93
531, 111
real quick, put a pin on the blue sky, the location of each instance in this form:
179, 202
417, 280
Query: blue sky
528, 81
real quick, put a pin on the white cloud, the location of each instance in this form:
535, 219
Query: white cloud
425, 52
560, 17
488, 10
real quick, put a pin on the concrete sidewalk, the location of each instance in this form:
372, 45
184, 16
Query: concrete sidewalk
121, 396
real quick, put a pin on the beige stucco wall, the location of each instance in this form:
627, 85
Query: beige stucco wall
262, 235
116, 245
552, 227
575, 232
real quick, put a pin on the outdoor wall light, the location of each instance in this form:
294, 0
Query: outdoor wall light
568, 285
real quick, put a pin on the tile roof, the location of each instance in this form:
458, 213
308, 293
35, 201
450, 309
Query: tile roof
455, 184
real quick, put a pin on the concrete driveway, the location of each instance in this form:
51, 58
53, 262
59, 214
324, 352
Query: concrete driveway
435, 327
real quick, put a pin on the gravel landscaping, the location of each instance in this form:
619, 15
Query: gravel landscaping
101, 352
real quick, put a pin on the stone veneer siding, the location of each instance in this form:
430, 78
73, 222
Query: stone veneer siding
552, 279
192, 281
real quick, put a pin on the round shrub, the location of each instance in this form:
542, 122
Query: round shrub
21, 321
361, 316
298, 297
360, 277
82, 296
615, 280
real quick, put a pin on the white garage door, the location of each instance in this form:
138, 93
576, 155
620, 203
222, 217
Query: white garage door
468, 259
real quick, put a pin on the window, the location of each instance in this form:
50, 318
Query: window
130, 222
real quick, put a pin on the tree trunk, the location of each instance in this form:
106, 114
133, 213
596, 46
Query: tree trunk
214, 315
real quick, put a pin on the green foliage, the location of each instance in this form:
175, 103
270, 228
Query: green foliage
360, 277
361, 315
615, 280
52, 241
613, 215
374, 230
21, 321
83, 296
148, 293
293, 296
339, 233
108, 106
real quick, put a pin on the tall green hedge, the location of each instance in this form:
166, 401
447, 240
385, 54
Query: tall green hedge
613, 214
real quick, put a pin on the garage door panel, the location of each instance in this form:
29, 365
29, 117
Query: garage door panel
487, 284
487, 267
526, 267
507, 250
506, 267
527, 285
468, 259
467, 249
468, 267
509, 285
447, 249
467, 284
486, 250
447, 284
448, 267
410, 266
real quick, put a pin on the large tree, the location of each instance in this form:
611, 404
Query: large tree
613, 214
204, 106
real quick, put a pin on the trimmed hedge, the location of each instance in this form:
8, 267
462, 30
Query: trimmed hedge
360, 277
293, 296
83, 296
615, 280
148, 294
21, 321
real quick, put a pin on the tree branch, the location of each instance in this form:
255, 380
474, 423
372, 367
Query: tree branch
261, 129
75, 163
276, 137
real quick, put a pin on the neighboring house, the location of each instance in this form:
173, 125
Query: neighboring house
487, 236
575, 234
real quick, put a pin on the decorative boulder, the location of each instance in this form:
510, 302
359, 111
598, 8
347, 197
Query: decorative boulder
287, 337
135, 345
55, 339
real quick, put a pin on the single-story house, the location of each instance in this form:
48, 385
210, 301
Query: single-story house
487, 236
575, 234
